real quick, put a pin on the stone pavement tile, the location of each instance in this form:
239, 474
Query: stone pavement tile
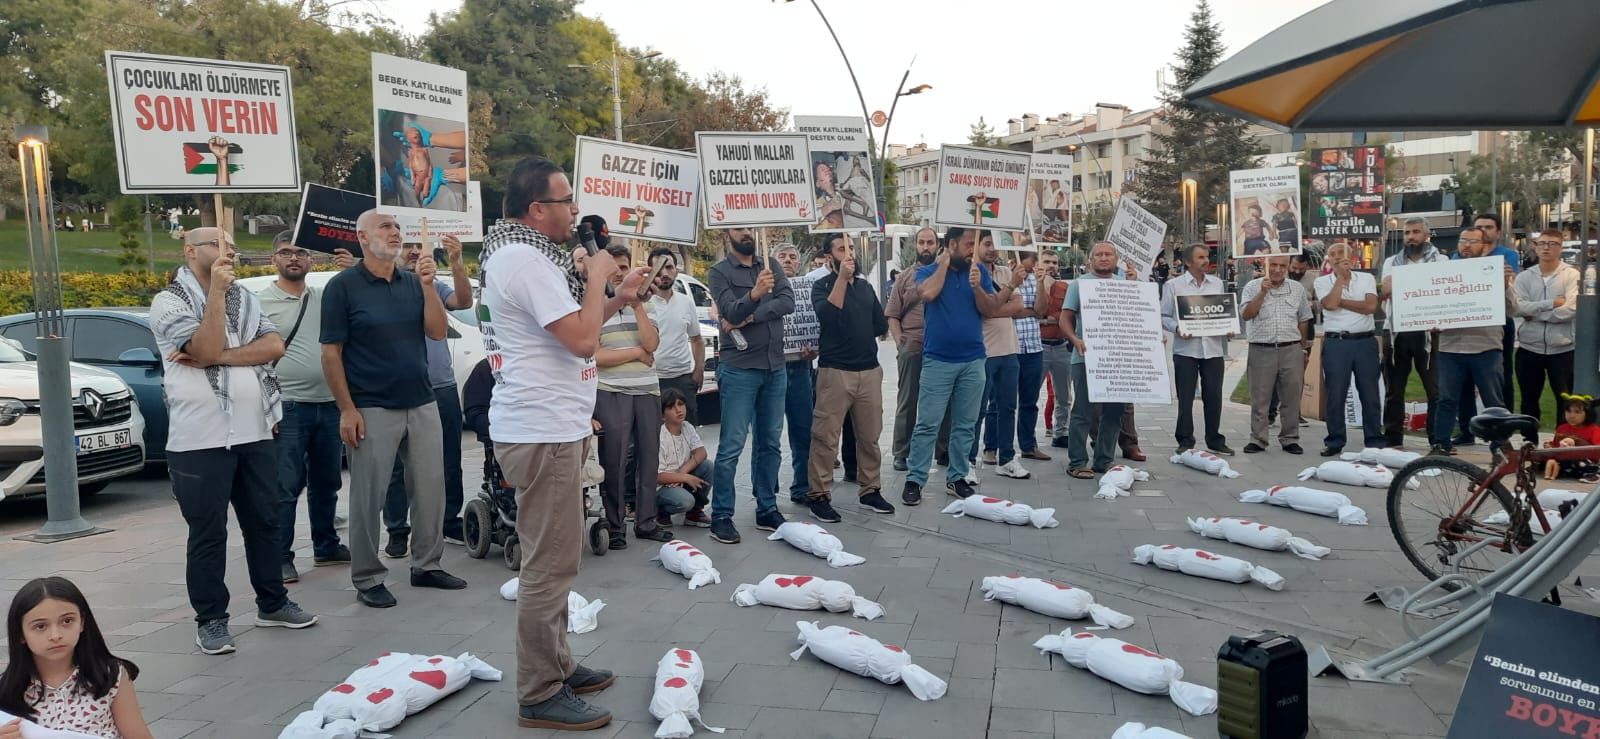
1372, 708
1438, 686
1185, 639
156, 705
257, 701
197, 685
905, 717
168, 728
956, 627
801, 686
1078, 725
726, 648
993, 734
1058, 690
1033, 720
1129, 703
975, 688
854, 701
784, 723
929, 648
977, 530
1014, 647
973, 660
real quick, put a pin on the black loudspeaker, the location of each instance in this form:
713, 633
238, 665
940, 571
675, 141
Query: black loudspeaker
1262, 687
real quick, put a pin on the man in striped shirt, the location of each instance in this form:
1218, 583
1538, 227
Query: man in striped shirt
628, 408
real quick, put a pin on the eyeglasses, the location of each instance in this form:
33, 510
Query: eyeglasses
564, 201
1550, 244
292, 254
1471, 241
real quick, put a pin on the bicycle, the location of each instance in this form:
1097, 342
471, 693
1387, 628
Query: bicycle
1451, 516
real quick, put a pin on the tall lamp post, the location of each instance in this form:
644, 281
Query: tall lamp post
616, 84
1189, 191
872, 143
63, 520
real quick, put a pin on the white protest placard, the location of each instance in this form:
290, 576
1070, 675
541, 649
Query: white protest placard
1460, 293
755, 179
842, 169
1265, 213
644, 192
1137, 234
1126, 361
187, 125
801, 328
1207, 315
981, 188
1050, 200
421, 147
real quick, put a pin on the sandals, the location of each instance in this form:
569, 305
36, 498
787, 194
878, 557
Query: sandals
1082, 474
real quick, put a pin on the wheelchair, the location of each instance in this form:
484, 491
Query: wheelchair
491, 518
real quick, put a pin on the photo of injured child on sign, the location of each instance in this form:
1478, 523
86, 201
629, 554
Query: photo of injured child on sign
423, 161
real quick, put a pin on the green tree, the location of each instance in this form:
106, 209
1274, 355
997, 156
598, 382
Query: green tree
1193, 139
1523, 167
127, 214
983, 134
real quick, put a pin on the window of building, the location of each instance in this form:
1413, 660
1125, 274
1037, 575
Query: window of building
1101, 151
1077, 182
1102, 180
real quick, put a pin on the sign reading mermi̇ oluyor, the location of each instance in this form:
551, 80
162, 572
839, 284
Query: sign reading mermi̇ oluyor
186, 125
755, 179
642, 191
981, 188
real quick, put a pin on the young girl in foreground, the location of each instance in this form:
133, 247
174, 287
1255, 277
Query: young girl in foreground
60, 673
1579, 430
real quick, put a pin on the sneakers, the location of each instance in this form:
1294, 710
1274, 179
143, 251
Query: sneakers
959, 488
912, 494
214, 637
290, 616
1292, 449
1013, 470
376, 596
1254, 448
1221, 450
874, 502
564, 711
900, 464
398, 547
340, 556
290, 574
769, 521
584, 680
697, 518
971, 478
1438, 450
722, 530
437, 579
991, 457
823, 511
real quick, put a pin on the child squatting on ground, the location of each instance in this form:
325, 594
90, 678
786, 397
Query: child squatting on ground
1579, 430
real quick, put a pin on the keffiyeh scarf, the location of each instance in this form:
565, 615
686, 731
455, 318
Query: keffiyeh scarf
176, 322
505, 232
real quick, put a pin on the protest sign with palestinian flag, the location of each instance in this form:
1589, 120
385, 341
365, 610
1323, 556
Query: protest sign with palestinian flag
981, 188
648, 193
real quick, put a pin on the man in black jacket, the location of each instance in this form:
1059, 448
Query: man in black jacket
849, 380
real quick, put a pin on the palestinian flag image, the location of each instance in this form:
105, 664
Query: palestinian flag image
990, 207
638, 217
197, 158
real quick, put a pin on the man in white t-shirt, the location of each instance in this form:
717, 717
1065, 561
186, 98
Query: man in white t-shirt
541, 329
680, 360
1349, 347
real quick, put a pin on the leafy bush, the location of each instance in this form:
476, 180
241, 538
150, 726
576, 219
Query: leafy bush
97, 289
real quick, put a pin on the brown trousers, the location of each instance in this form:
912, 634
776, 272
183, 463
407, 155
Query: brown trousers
861, 395
1280, 369
550, 529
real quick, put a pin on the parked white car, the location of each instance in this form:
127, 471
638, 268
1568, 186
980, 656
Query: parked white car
108, 428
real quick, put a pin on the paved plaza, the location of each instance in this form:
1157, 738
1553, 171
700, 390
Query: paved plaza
923, 566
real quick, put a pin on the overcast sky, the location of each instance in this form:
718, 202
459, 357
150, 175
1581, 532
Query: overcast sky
997, 59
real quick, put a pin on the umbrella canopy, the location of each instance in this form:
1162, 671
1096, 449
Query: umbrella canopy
1392, 65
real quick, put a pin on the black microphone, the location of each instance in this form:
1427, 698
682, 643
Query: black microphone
586, 236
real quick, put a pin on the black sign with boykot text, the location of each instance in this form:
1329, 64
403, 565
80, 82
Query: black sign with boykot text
1537, 674
328, 219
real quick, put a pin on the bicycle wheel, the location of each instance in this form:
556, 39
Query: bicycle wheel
1425, 495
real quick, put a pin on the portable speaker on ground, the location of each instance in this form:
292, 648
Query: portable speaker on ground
1261, 687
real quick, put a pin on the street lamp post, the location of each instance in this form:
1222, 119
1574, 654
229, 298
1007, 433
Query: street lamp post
616, 84
63, 520
1190, 193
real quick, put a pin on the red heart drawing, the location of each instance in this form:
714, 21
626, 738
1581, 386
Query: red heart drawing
380, 696
435, 660
784, 582
684, 655
1131, 649
1203, 554
345, 688
680, 664
822, 532
696, 554
432, 678
373, 663
675, 682
1170, 546
1263, 527
1085, 636
1009, 504
1057, 585
683, 548
993, 500
856, 633
1014, 577
893, 648
1275, 488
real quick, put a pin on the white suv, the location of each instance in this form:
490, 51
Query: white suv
107, 426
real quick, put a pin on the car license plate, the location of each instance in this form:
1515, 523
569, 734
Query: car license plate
91, 443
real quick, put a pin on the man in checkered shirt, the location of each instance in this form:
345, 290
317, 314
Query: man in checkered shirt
1030, 360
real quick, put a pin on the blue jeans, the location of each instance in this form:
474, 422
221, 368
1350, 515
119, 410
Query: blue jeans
395, 504
1030, 378
672, 499
1342, 358
999, 407
797, 407
751, 399
1458, 375
308, 452
1106, 434
946, 386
